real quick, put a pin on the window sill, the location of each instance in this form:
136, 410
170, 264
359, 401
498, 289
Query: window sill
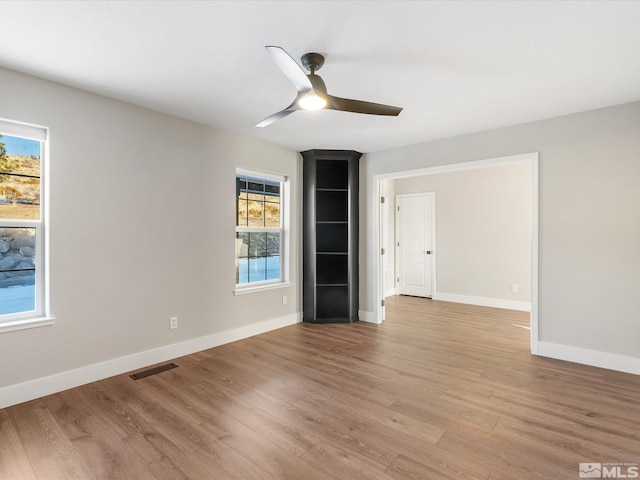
260, 288
23, 324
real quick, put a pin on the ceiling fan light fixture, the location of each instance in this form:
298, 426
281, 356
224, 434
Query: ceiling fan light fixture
312, 91
312, 101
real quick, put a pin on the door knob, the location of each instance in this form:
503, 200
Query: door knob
428, 252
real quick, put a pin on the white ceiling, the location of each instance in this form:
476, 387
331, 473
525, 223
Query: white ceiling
455, 66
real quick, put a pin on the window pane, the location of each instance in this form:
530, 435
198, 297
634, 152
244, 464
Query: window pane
250, 244
273, 256
19, 178
19, 155
242, 244
17, 269
242, 262
258, 244
19, 197
255, 214
272, 188
272, 212
257, 269
242, 270
257, 256
255, 185
258, 197
242, 219
273, 267
273, 244
258, 202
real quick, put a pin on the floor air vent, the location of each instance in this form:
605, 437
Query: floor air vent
153, 371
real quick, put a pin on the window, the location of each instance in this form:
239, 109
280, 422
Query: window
260, 229
22, 252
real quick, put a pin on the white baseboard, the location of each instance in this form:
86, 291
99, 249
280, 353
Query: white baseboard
40, 387
368, 317
611, 361
484, 301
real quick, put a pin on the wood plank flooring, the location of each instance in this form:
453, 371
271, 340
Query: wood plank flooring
439, 391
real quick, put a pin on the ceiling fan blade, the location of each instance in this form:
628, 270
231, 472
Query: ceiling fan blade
358, 106
290, 68
276, 116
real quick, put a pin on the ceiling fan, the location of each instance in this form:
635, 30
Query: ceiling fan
312, 92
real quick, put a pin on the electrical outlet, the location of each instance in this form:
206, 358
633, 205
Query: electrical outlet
284, 299
514, 288
173, 322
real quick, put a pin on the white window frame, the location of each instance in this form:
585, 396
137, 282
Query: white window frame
40, 316
283, 281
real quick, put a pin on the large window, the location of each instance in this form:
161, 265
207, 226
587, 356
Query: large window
260, 222
22, 245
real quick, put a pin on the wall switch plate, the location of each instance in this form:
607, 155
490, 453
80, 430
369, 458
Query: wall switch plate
514, 288
284, 299
173, 323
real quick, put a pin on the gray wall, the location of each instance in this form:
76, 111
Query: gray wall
483, 231
589, 231
142, 228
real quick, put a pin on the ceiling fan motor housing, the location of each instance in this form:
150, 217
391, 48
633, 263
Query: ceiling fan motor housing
312, 61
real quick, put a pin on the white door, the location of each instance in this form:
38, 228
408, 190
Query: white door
415, 215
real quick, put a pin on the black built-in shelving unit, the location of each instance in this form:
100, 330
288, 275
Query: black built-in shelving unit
330, 245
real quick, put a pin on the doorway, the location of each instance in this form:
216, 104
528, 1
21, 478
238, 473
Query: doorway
377, 287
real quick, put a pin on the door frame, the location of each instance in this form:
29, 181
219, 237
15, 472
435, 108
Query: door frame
374, 235
434, 251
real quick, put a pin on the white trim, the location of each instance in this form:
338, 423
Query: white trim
25, 323
259, 288
611, 361
367, 317
531, 158
285, 238
378, 265
389, 292
534, 251
30, 390
258, 229
381, 243
456, 167
23, 130
250, 172
484, 301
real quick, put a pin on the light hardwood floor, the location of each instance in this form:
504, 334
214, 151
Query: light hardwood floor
439, 391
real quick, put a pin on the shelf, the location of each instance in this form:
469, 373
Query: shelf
330, 236
332, 302
332, 270
332, 174
332, 205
